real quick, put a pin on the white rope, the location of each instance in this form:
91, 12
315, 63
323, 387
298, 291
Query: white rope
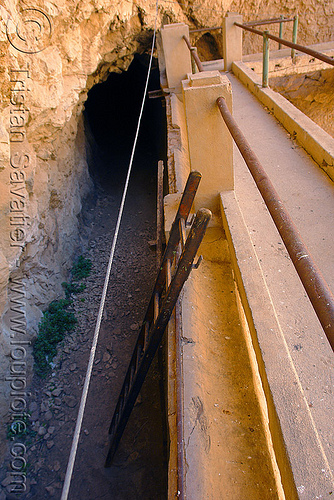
70, 465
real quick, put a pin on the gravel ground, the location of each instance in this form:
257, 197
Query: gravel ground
139, 469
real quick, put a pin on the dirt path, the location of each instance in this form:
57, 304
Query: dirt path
138, 471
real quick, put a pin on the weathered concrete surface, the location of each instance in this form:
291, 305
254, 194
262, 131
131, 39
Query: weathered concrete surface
226, 437
176, 53
298, 360
228, 448
232, 39
210, 143
225, 443
313, 138
284, 351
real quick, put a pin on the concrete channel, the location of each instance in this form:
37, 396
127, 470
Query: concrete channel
256, 367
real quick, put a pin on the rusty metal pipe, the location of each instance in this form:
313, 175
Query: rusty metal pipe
301, 48
315, 286
275, 20
194, 54
198, 30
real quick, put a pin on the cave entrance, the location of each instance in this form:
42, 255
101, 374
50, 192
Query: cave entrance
112, 110
208, 48
111, 114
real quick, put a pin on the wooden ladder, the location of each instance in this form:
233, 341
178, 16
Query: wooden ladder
176, 265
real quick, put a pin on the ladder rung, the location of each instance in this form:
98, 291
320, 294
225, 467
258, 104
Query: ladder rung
160, 306
182, 229
132, 372
156, 306
126, 390
168, 273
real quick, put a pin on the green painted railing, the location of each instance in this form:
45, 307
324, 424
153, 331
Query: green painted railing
293, 45
281, 20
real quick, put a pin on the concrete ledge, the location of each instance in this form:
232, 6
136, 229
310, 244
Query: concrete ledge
217, 65
308, 134
300, 430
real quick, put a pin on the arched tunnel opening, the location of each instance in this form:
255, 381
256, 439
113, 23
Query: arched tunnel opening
112, 110
208, 48
139, 468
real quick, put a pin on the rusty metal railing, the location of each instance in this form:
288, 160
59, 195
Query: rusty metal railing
193, 51
315, 286
273, 20
293, 45
198, 30
296, 46
279, 20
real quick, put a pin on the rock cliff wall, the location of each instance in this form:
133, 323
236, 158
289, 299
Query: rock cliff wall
315, 23
312, 94
51, 54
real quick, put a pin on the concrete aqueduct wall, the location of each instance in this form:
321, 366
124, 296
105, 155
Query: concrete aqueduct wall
44, 179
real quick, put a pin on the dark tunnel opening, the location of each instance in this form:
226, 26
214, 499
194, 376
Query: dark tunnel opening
111, 116
207, 48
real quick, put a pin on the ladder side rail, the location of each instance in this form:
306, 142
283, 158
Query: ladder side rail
183, 212
183, 270
174, 237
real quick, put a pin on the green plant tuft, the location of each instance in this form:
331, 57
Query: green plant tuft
81, 269
58, 320
72, 288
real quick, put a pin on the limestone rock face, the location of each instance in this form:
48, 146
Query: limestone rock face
312, 94
42, 100
315, 20
51, 54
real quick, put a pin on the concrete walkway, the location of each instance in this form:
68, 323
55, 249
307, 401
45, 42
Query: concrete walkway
297, 355
304, 188
246, 323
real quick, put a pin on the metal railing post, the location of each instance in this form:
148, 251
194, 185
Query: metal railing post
193, 63
193, 52
265, 68
294, 34
280, 32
